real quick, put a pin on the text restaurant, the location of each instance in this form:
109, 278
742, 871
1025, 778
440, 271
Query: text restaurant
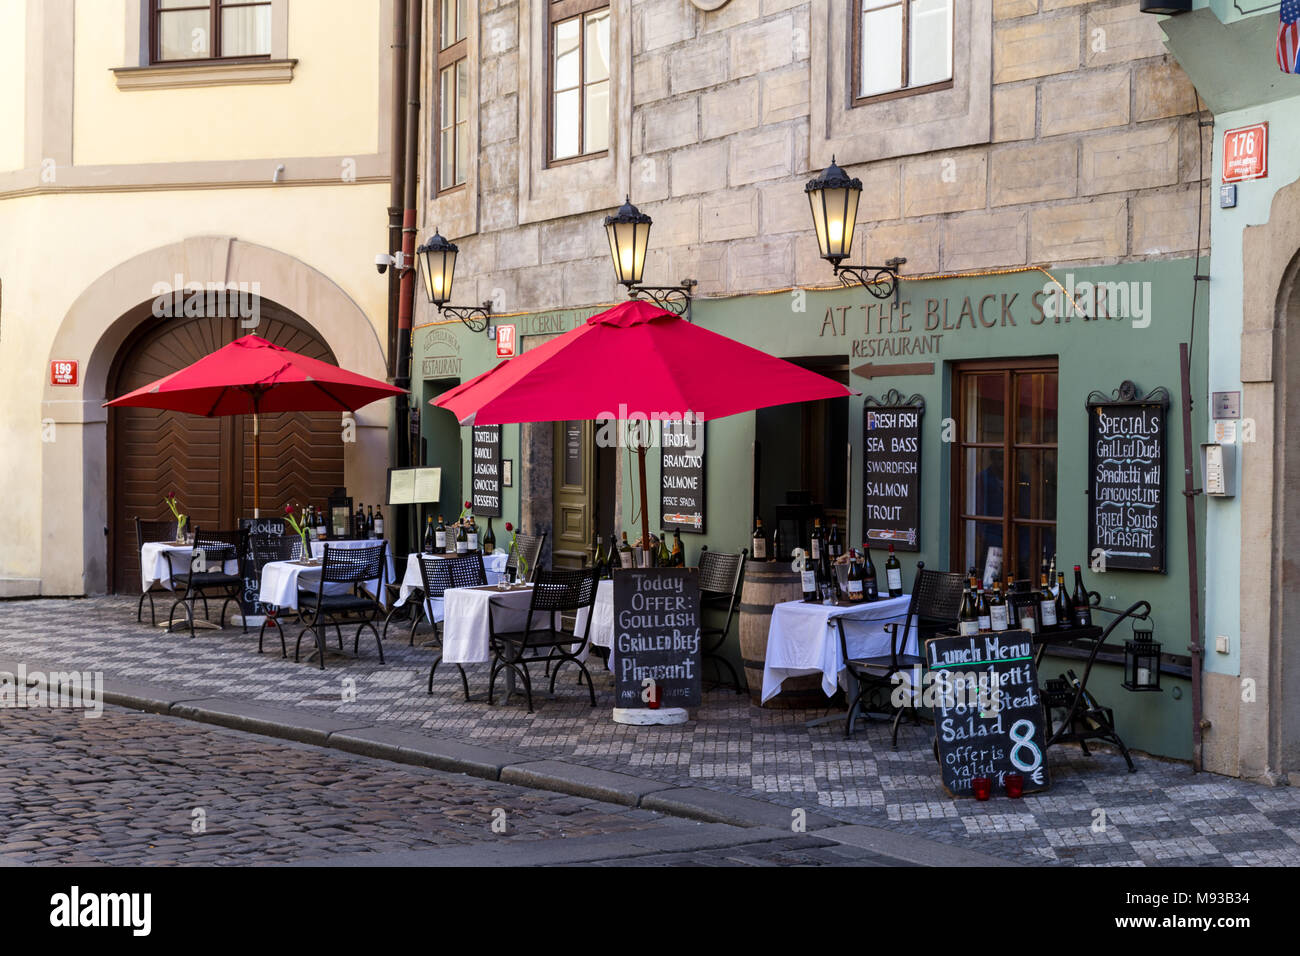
988, 480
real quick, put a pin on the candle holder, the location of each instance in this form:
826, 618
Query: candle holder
1015, 785
1142, 661
982, 787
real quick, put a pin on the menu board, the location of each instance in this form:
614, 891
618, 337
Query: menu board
891, 473
1126, 483
988, 713
485, 470
656, 636
681, 476
248, 603
410, 486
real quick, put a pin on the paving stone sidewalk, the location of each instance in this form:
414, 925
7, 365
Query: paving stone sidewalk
1163, 814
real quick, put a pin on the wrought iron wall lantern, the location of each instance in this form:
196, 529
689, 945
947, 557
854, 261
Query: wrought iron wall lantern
1142, 661
833, 198
437, 259
629, 238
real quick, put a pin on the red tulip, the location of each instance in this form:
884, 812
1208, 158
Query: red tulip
467, 504
288, 509
509, 526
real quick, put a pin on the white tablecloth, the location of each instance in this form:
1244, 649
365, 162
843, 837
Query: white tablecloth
154, 568
282, 579
803, 639
602, 624
494, 564
465, 635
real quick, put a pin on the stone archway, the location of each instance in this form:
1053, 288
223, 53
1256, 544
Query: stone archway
74, 467
1268, 727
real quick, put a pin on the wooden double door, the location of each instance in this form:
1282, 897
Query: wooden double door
208, 462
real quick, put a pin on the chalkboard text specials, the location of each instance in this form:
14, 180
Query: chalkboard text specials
988, 712
1126, 485
656, 636
681, 475
248, 603
892, 475
485, 466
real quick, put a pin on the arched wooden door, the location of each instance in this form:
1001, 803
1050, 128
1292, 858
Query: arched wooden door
208, 462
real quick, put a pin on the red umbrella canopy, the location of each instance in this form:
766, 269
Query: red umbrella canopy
634, 359
252, 375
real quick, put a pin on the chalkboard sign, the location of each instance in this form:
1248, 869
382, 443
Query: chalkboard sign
681, 476
891, 470
485, 467
656, 635
1127, 442
248, 603
988, 713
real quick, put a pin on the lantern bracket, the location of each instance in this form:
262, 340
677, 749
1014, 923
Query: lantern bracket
670, 298
880, 281
474, 318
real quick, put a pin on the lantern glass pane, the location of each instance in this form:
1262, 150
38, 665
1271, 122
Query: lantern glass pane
611, 231
642, 244
816, 201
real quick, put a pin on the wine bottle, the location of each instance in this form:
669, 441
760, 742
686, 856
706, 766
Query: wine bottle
427, 545
489, 539
777, 552
612, 559
998, 609
894, 574
1046, 603
320, 524
968, 620
625, 555
679, 553
758, 541
808, 580
359, 522
815, 544
1027, 611
1051, 574
379, 521
597, 556
471, 537
1064, 606
854, 580
439, 545
833, 545
985, 611
462, 538
870, 586
370, 522
1082, 602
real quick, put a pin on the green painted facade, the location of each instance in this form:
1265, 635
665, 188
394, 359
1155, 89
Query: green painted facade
944, 321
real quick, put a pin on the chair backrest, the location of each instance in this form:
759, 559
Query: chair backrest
564, 589
265, 548
529, 547
936, 600
466, 571
218, 547
721, 571
146, 531
436, 574
353, 565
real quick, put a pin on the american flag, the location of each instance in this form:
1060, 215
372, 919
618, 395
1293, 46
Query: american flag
1288, 37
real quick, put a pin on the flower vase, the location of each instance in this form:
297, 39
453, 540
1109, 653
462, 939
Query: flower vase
306, 547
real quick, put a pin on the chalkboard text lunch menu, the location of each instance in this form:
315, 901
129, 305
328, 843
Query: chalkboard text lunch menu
681, 476
988, 713
1127, 441
656, 636
485, 466
892, 471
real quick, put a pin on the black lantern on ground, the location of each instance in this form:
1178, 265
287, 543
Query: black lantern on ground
437, 259
628, 231
1142, 661
833, 198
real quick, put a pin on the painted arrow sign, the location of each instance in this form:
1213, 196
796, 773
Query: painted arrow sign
871, 370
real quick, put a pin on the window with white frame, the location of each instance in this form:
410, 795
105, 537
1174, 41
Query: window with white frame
209, 29
452, 138
579, 68
901, 47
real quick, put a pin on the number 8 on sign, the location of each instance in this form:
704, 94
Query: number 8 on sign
1022, 737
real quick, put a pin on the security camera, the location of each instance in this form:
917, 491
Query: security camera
382, 262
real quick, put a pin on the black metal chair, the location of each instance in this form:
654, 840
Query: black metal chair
465, 571
934, 606
318, 610
721, 574
146, 531
529, 546
262, 550
205, 571
554, 593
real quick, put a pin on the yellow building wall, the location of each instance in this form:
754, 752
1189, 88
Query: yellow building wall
327, 109
52, 247
13, 89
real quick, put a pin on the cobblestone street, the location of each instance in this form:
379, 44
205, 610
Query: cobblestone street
1163, 814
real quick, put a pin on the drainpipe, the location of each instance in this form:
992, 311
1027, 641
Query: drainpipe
396, 178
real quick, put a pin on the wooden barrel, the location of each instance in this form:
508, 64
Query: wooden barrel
768, 584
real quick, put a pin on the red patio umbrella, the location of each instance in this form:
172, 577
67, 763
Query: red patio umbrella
639, 359
252, 375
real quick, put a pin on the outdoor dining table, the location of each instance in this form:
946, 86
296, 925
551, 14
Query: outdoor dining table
602, 621
155, 569
804, 639
466, 632
281, 580
494, 564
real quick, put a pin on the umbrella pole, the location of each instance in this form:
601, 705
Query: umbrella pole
645, 511
257, 464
